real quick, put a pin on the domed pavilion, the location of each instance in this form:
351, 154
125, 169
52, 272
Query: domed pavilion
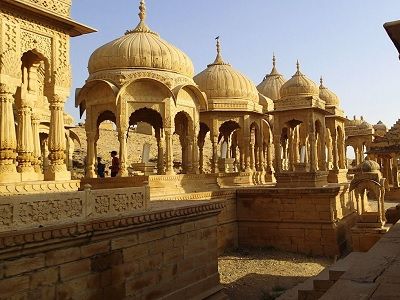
335, 135
271, 85
139, 77
234, 118
299, 134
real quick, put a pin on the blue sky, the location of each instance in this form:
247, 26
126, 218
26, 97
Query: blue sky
342, 40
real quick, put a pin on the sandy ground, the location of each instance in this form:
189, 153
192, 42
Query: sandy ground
262, 273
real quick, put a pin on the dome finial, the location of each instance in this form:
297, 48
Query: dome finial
298, 66
142, 8
321, 80
141, 27
273, 60
218, 59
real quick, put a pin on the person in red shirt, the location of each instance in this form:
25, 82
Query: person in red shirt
114, 164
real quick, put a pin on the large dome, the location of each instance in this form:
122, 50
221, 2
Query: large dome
141, 48
330, 98
221, 80
299, 85
271, 85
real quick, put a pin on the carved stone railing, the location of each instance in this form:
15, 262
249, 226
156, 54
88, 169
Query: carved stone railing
59, 7
38, 210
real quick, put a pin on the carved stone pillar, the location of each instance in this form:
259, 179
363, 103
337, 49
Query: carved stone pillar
160, 151
189, 155
201, 159
313, 153
195, 156
261, 162
57, 169
8, 140
214, 164
91, 154
123, 153
169, 159
395, 171
25, 146
252, 157
37, 153
278, 154
268, 150
335, 153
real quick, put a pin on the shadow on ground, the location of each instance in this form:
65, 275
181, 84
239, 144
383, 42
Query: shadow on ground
260, 287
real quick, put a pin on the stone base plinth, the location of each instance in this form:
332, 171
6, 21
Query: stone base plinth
51, 175
31, 176
145, 168
301, 179
313, 221
10, 177
235, 179
337, 176
364, 237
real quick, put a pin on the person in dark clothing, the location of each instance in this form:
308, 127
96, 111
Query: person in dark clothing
114, 164
101, 168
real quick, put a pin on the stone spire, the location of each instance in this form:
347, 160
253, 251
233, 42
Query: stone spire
274, 71
142, 26
218, 60
321, 81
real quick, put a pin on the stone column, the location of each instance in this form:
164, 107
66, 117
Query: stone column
395, 171
90, 155
252, 157
37, 153
57, 169
160, 151
25, 146
195, 156
278, 154
335, 153
269, 158
8, 140
123, 153
261, 162
247, 155
214, 164
189, 155
313, 152
169, 159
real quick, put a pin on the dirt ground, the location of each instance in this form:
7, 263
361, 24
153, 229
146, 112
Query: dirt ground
255, 274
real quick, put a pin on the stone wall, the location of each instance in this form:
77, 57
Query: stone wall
313, 221
37, 210
169, 252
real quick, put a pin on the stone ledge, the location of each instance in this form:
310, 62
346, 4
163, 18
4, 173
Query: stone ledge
12, 242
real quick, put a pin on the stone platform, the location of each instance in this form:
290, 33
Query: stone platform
314, 221
168, 251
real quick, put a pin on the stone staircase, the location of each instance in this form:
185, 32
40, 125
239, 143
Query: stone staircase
315, 287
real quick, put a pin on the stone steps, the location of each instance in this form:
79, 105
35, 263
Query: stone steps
315, 287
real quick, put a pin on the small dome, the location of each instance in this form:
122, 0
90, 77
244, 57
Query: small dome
330, 98
299, 85
380, 126
141, 48
271, 85
221, 80
368, 166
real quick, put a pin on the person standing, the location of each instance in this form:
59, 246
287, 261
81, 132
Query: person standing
114, 164
101, 168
